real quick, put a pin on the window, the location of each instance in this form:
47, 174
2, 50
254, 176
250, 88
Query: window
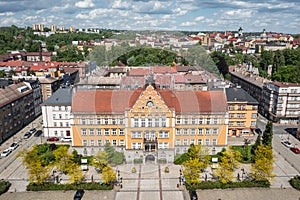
208, 121
83, 121
178, 131
121, 142
60, 116
160, 134
139, 145
106, 131
253, 123
114, 121
55, 133
192, 141
136, 122
114, 131
200, 131
199, 141
231, 115
214, 142
185, 131
200, 120
92, 142
150, 122
61, 124
185, 142
83, 131
121, 131
163, 123
99, 143
143, 122
207, 131
98, 120
177, 142
238, 115
92, 131
193, 131
156, 122
134, 145
121, 121
216, 120
99, 131
254, 115
231, 123
107, 142
54, 116
206, 141
106, 121
91, 121
84, 143
215, 131
114, 142
67, 124
186, 120
54, 124
136, 134
193, 120
178, 120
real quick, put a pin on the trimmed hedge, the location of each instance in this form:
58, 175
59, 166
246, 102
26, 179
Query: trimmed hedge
295, 182
83, 186
4, 186
204, 185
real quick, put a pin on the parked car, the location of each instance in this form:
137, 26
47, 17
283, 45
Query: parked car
27, 135
79, 194
5, 153
32, 130
13, 146
53, 139
38, 133
258, 131
295, 150
287, 144
193, 195
66, 139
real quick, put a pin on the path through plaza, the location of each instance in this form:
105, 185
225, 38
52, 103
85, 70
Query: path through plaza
150, 182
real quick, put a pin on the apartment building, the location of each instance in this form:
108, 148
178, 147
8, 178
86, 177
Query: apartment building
57, 114
281, 102
49, 85
242, 110
16, 109
148, 121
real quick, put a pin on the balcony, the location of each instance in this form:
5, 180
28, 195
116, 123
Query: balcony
150, 140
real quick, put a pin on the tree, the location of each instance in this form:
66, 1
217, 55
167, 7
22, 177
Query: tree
268, 134
227, 165
63, 160
196, 152
76, 175
192, 169
114, 157
37, 173
100, 159
256, 144
108, 175
262, 167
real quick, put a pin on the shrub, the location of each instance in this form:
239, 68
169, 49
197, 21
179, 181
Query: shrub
4, 186
167, 170
162, 160
52, 186
133, 170
204, 185
181, 159
295, 182
138, 160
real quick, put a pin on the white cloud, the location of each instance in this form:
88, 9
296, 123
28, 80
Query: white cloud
85, 4
188, 24
199, 18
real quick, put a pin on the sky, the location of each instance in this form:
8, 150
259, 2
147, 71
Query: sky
281, 16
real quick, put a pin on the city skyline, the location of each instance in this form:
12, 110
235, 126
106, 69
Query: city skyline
183, 15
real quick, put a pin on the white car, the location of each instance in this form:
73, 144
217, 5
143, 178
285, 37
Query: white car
13, 146
5, 153
287, 144
66, 139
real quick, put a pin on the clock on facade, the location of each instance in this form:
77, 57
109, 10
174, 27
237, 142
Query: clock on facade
149, 103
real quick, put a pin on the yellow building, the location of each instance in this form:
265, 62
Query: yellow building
242, 109
148, 121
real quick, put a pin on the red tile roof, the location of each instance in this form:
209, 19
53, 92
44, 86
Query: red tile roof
138, 72
45, 66
117, 101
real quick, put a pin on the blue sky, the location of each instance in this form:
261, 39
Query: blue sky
190, 15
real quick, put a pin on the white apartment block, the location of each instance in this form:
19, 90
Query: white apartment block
281, 102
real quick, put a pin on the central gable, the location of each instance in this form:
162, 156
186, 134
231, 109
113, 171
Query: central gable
150, 102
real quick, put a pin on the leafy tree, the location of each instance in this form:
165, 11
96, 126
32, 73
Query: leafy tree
266, 59
114, 157
268, 134
63, 160
196, 152
192, 169
262, 167
256, 144
75, 173
227, 165
36, 171
220, 60
108, 175
100, 159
